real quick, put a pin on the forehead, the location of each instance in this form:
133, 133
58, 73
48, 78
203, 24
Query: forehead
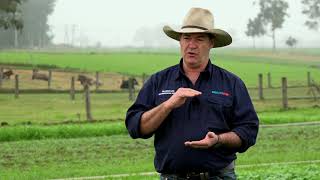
196, 35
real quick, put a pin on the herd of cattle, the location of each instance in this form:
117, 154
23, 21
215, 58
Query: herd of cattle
83, 79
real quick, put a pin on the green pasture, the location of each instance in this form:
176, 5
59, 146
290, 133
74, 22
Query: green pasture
44, 136
246, 64
57, 108
72, 130
40, 109
119, 154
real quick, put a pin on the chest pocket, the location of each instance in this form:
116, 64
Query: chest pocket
220, 114
162, 98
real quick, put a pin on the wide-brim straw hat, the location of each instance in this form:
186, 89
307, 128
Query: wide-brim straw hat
200, 20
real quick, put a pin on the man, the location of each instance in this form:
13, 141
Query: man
201, 115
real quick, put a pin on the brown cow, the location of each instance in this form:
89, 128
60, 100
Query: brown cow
87, 80
39, 76
7, 74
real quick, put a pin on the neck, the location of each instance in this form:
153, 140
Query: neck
194, 69
193, 72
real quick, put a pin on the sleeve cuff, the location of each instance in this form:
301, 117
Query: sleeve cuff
134, 127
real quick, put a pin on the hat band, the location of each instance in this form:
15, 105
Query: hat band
198, 27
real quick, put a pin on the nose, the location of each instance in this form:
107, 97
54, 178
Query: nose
192, 44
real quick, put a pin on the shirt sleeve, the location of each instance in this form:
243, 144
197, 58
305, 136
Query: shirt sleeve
144, 102
245, 122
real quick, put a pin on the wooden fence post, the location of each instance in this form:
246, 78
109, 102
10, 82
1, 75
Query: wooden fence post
72, 90
309, 78
49, 78
269, 80
131, 89
16, 89
284, 93
88, 105
97, 80
34, 71
1, 76
260, 87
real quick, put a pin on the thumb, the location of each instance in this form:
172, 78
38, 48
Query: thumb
211, 134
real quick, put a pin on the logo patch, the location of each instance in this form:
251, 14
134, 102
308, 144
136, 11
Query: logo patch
221, 93
167, 91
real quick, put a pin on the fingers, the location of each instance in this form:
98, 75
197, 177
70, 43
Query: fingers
205, 143
187, 92
180, 96
193, 145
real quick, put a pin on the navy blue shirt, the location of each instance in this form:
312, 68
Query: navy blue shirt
223, 106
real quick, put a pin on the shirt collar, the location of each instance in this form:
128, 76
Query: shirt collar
180, 72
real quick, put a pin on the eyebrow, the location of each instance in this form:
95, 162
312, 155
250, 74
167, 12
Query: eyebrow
198, 36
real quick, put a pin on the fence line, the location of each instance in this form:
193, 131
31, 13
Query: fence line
144, 77
131, 90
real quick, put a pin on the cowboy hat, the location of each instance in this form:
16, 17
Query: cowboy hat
200, 20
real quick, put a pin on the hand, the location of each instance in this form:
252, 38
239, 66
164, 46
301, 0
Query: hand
210, 140
180, 97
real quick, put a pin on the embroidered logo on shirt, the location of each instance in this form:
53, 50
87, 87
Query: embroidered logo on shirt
221, 93
167, 91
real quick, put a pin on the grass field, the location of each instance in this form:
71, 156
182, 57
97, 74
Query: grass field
47, 135
118, 154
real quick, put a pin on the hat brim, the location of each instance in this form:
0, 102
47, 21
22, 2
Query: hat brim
221, 37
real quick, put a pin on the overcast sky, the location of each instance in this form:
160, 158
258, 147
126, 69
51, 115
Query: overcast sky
114, 22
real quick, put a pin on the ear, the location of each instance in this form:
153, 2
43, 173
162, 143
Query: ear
212, 42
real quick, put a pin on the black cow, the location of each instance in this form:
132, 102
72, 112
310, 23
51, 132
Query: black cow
125, 83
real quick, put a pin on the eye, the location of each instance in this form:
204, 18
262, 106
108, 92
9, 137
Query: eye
186, 37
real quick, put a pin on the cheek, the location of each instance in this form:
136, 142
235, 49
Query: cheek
205, 49
183, 49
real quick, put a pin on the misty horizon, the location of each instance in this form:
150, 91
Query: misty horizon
116, 24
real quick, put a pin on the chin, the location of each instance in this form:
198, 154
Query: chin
193, 64
192, 61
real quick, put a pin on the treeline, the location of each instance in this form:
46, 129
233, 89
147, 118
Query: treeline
273, 14
32, 16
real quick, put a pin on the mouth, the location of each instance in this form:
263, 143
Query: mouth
191, 54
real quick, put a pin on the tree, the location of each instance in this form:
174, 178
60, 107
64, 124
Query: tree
9, 5
255, 29
35, 15
291, 42
272, 14
312, 11
36, 31
9, 14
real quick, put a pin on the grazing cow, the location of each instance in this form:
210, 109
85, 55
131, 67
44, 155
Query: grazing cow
85, 80
7, 74
39, 76
125, 83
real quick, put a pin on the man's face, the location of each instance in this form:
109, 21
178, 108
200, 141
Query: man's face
195, 48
